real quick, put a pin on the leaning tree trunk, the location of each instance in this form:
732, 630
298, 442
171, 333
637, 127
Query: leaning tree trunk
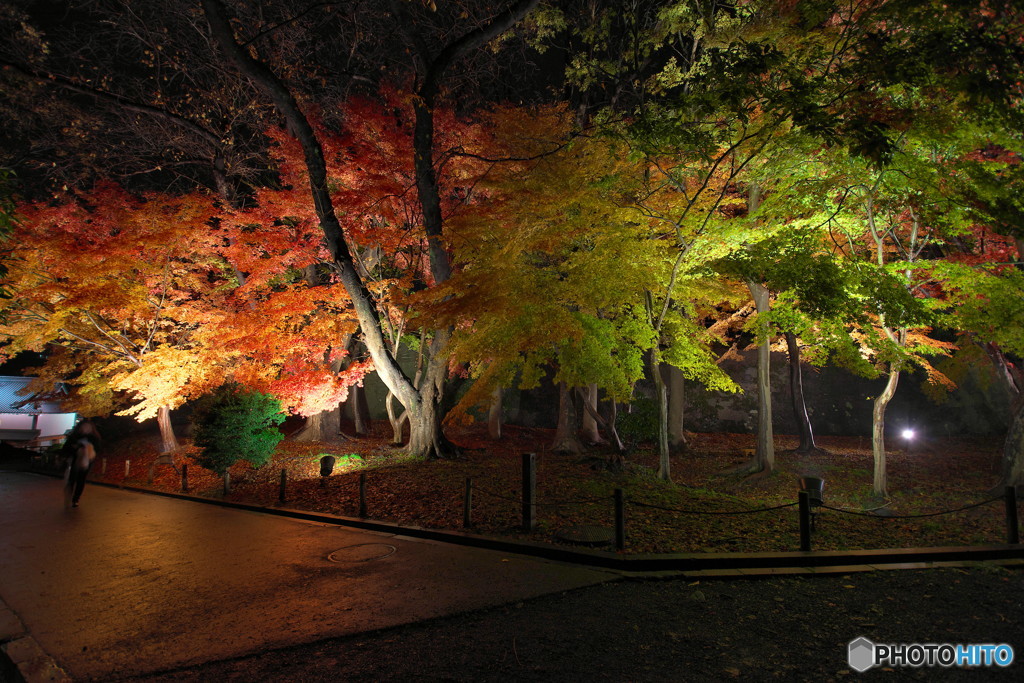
168, 442
676, 409
588, 429
495, 414
881, 488
426, 438
764, 457
796, 395
566, 439
1012, 379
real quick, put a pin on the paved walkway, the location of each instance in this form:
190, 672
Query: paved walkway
129, 584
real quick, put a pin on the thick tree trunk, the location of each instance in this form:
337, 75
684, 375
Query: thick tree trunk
566, 439
1013, 451
426, 437
588, 428
676, 408
495, 414
168, 442
880, 486
359, 410
796, 395
764, 458
324, 427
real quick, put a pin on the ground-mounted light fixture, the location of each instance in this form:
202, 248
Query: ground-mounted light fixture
326, 467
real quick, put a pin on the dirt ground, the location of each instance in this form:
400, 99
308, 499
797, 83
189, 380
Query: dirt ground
779, 629
706, 507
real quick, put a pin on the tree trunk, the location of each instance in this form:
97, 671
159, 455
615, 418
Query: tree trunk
566, 439
661, 396
881, 488
676, 408
168, 442
397, 421
495, 414
359, 410
426, 438
324, 427
1013, 450
620, 448
588, 429
796, 394
764, 459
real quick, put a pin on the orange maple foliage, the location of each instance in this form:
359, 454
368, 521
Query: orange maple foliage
115, 288
147, 302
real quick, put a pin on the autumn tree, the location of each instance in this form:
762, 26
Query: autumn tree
423, 402
111, 286
552, 265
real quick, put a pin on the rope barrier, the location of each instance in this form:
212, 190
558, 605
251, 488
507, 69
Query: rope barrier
926, 514
581, 501
711, 512
495, 495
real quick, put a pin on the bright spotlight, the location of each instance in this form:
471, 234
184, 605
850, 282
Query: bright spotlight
908, 434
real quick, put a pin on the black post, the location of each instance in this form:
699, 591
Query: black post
1012, 527
184, 477
529, 491
362, 494
467, 505
227, 482
805, 520
282, 493
620, 520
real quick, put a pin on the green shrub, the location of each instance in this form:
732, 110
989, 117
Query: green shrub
235, 424
641, 424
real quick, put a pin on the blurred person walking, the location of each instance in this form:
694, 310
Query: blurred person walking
80, 447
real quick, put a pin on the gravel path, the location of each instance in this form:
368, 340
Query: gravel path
778, 629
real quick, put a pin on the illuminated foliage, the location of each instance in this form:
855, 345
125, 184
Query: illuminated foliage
235, 424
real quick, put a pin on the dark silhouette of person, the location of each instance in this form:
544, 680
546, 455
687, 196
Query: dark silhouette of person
80, 447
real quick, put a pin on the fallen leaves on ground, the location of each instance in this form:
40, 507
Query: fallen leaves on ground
574, 491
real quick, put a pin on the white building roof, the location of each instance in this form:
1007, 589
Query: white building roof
13, 402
